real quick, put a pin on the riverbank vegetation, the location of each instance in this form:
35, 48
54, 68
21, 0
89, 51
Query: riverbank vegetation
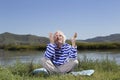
104, 70
80, 46
13, 47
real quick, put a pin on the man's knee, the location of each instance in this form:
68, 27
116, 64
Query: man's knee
76, 62
43, 60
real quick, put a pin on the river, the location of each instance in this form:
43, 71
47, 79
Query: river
10, 57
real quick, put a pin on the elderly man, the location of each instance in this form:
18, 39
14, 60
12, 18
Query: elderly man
59, 56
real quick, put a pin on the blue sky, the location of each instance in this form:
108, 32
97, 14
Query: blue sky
89, 18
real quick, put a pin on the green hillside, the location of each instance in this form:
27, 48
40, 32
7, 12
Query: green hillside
109, 38
10, 38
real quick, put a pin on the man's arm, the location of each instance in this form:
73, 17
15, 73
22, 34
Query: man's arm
51, 38
50, 50
73, 51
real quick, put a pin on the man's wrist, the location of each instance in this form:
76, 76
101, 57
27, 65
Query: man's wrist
73, 44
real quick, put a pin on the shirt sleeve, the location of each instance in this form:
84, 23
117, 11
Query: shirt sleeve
73, 52
50, 51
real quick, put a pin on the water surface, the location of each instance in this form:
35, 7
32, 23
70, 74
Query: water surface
10, 57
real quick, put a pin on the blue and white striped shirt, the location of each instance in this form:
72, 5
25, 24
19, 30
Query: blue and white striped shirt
62, 55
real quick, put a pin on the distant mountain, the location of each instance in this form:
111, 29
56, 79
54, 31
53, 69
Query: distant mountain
10, 38
110, 38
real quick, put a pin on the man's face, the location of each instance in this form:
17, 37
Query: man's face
58, 38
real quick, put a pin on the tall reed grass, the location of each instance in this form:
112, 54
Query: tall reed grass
80, 46
104, 70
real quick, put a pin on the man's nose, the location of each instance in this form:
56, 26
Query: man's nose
57, 37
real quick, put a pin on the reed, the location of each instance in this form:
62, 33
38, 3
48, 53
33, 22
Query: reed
104, 70
80, 46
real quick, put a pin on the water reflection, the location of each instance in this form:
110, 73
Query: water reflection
10, 57
100, 55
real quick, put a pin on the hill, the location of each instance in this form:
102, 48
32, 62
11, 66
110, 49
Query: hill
110, 38
10, 38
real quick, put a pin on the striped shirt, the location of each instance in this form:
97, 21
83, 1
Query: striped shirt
62, 55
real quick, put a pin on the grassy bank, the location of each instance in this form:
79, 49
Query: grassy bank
99, 45
23, 47
80, 46
104, 70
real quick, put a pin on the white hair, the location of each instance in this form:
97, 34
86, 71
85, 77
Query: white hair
64, 37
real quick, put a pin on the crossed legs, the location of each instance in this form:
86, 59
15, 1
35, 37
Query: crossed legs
67, 67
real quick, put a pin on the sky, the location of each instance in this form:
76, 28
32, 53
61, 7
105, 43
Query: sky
89, 18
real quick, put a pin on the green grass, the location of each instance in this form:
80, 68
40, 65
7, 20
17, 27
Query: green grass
98, 45
104, 70
80, 46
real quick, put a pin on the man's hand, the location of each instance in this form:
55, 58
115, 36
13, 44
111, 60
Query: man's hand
51, 38
73, 40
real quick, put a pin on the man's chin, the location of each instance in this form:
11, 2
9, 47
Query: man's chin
59, 43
